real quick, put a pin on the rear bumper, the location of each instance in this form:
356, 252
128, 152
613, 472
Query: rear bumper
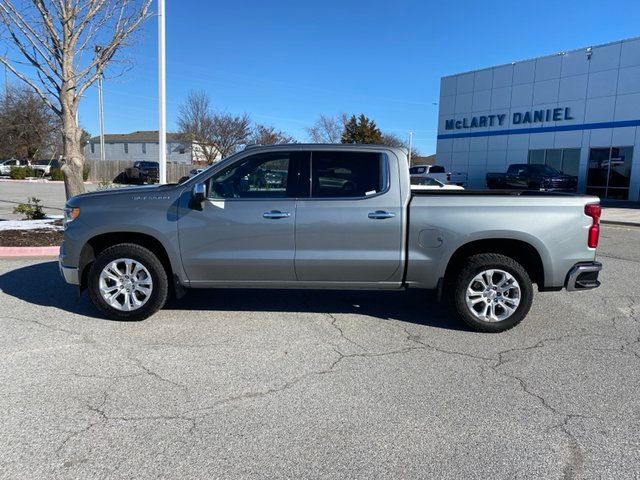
583, 276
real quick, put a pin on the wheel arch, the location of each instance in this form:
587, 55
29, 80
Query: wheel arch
98, 243
521, 251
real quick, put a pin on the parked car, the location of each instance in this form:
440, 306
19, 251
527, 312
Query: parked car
44, 167
7, 165
143, 172
434, 171
349, 220
428, 183
532, 177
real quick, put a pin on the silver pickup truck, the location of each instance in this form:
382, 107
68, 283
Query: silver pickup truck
328, 216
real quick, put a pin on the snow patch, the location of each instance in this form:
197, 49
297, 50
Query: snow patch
45, 224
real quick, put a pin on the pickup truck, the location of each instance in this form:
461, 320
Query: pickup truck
334, 217
142, 172
532, 177
429, 171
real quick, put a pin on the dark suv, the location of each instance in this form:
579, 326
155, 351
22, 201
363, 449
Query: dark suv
524, 176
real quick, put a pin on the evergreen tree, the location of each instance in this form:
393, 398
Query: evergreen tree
361, 130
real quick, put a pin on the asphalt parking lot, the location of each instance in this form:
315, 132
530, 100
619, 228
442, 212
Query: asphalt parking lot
229, 384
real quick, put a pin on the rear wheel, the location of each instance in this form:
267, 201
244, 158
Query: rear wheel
492, 293
128, 282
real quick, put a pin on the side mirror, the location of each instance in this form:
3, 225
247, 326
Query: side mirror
198, 195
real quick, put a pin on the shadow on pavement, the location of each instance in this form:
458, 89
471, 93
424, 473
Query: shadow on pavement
41, 284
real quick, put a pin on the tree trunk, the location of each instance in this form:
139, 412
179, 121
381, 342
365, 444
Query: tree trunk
72, 147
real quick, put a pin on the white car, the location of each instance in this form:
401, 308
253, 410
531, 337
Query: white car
428, 183
7, 165
434, 171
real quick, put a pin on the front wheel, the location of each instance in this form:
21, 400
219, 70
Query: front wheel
492, 293
128, 282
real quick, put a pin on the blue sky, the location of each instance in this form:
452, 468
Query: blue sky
287, 62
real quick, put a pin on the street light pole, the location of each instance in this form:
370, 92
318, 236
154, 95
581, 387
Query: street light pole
162, 95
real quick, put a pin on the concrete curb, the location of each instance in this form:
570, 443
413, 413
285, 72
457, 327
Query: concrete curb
12, 252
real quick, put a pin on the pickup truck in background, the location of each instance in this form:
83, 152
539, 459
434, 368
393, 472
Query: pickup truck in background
143, 172
429, 171
330, 217
43, 167
527, 176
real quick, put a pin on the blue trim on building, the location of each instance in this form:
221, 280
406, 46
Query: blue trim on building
559, 128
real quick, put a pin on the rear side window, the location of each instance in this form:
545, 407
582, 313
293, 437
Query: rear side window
436, 169
417, 170
347, 174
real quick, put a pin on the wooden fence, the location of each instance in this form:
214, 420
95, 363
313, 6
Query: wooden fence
109, 170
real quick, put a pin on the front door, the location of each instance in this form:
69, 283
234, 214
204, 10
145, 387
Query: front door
350, 229
245, 232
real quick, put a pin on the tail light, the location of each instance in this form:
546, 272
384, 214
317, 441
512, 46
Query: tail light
449, 177
594, 211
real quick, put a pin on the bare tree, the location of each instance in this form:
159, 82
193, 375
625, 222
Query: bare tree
64, 47
230, 132
196, 123
327, 129
269, 135
217, 133
28, 127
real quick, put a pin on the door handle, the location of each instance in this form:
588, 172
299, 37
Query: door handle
381, 215
275, 214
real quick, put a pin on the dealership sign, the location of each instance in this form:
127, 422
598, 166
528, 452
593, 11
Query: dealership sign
518, 118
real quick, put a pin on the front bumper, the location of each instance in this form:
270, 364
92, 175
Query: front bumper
70, 274
583, 276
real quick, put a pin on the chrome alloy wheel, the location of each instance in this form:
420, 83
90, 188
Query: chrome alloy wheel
125, 284
493, 295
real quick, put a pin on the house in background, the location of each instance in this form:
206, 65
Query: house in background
143, 145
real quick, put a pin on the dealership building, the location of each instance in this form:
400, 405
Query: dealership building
577, 111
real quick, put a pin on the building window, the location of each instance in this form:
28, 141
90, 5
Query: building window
566, 160
181, 150
126, 148
144, 148
609, 174
93, 147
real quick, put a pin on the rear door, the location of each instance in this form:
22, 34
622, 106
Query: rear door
245, 232
349, 229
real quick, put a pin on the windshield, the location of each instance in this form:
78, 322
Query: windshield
545, 169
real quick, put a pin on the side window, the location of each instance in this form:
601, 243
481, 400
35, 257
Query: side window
259, 176
126, 148
346, 174
436, 169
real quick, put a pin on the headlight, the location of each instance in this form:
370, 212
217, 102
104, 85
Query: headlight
70, 214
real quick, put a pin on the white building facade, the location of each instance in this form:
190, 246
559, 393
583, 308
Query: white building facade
576, 111
144, 146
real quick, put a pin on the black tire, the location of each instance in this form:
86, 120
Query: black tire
150, 261
474, 266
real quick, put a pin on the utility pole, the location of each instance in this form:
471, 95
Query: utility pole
410, 145
162, 95
98, 51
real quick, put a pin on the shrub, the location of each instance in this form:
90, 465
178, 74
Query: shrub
56, 175
86, 169
31, 210
20, 173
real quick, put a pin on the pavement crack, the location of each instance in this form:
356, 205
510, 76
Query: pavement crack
335, 325
42, 324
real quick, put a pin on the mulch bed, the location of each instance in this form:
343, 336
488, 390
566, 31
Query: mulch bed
30, 238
